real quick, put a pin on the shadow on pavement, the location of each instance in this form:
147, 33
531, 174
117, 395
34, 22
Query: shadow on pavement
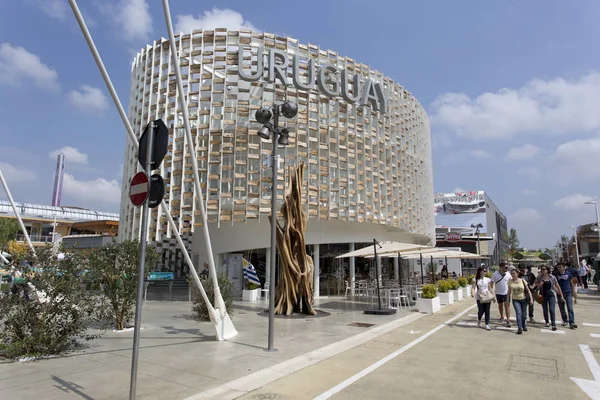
344, 306
70, 387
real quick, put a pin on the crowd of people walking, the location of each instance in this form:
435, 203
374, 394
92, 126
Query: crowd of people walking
523, 288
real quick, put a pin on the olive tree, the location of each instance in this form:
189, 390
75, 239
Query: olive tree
114, 269
48, 312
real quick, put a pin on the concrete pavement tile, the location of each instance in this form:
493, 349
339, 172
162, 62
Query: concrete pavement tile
25, 380
191, 378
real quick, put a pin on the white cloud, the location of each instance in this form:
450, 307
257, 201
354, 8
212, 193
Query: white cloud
135, 19
533, 173
88, 99
573, 202
132, 17
60, 10
575, 161
57, 9
466, 155
119, 172
18, 66
216, 18
526, 215
480, 154
14, 174
530, 192
556, 106
524, 152
97, 191
441, 140
72, 155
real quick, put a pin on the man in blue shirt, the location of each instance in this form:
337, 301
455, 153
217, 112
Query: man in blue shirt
575, 274
565, 281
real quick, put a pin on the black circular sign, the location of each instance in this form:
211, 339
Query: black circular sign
157, 190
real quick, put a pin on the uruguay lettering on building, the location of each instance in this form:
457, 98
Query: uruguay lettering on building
330, 80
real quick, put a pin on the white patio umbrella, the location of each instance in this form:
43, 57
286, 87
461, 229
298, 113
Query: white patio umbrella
383, 248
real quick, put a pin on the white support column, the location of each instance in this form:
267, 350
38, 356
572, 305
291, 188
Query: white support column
396, 269
379, 270
352, 270
268, 269
219, 265
316, 257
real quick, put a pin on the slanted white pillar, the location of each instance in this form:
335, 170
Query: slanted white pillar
316, 257
379, 270
396, 268
352, 270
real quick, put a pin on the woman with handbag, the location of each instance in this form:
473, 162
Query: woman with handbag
518, 290
549, 289
483, 292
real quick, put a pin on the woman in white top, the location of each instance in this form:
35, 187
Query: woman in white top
482, 287
583, 272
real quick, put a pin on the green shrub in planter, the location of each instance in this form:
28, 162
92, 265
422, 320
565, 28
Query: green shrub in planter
252, 286
489, 274
199, 307
462, 281
470, 279
443, 286
429, 291
453, 284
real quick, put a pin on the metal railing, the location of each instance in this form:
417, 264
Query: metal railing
36, 238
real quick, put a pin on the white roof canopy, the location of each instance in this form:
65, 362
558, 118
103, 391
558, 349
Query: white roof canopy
445, 254
403, 254
383, 248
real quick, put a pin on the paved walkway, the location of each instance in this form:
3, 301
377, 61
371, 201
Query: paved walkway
402, 356
179, 357
447, 356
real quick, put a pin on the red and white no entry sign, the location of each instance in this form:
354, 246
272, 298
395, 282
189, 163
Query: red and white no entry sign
139, 188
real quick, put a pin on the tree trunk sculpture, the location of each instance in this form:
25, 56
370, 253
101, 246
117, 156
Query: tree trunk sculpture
294, 292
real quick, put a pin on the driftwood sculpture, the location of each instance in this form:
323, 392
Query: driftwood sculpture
294, 292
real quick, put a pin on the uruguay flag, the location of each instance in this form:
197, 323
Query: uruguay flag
250, 272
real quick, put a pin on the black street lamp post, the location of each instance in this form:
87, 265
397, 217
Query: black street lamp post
479, 225
279, 137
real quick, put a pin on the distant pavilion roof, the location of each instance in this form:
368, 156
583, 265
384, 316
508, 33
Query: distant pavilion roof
64, 213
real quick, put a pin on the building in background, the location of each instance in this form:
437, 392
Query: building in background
588, 242
456, 213
364, 139
43, 223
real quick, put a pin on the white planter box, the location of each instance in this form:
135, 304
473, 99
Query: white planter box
458, 294
446, 298
467, 291
429, 306
250, 295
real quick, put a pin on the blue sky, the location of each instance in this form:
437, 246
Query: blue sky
512, 91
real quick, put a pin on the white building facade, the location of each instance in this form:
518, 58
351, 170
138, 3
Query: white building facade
364, 140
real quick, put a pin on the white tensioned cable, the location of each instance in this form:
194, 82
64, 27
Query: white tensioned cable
134, 140
219, 303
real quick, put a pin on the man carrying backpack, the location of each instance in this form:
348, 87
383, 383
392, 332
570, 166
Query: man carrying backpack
500, 280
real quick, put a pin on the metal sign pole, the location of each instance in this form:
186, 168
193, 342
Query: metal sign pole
140, 288
422, 274
377, 271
